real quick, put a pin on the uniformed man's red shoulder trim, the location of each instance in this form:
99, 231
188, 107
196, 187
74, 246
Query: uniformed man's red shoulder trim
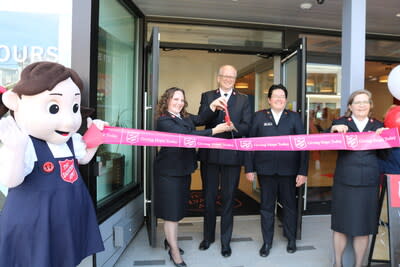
342, 117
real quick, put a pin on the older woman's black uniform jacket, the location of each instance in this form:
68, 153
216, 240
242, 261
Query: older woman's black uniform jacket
285, 163
176, 161
358, 168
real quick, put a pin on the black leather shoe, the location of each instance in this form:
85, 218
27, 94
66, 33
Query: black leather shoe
264, 250
181, 264
291, 246
226, 251
166, 246
205, 244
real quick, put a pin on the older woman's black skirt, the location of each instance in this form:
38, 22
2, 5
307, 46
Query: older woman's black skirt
171, 196
355, 209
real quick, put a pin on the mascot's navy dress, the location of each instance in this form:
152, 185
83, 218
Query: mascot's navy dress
54, 204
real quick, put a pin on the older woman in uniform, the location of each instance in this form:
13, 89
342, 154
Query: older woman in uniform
356, 182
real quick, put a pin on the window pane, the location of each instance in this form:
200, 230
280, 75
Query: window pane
265, 80
323, 79
212, 35
333, 44
32, 31
382, 48
323, 43
116, 96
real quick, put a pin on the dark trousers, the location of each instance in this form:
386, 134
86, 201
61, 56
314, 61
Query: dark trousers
271, 187
227, 178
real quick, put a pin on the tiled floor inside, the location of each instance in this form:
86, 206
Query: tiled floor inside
314, 249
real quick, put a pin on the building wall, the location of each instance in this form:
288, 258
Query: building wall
381, 96
128, 219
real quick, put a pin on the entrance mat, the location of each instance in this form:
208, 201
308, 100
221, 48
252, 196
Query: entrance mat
244, 205
318, 208
319, 193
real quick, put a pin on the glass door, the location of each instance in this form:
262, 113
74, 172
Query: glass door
323, 88
293, 77
151, 95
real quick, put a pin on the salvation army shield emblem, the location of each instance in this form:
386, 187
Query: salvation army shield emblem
132, 138
189, 142
300, 142
352, 140
67, 170
246, 144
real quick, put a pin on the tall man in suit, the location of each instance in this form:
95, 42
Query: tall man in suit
278, 172
220, 169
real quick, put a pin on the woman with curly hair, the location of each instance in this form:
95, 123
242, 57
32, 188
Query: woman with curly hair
174, 165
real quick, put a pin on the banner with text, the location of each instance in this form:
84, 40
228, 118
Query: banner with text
327, 141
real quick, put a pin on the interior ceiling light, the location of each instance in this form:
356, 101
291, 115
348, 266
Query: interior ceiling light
241, 85
305, 5
383, 79
398, 15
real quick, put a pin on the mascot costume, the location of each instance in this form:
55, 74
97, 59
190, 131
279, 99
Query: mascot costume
48, 218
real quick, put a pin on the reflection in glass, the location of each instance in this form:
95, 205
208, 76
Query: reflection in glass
382, 245
290, 74
21, 44
333, 45
323, 79
116, 96
323, 105
265, 80
212, 35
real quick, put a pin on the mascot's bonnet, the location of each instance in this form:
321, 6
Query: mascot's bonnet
45, 103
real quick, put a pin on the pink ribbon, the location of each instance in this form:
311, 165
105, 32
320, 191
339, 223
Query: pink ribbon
328, 141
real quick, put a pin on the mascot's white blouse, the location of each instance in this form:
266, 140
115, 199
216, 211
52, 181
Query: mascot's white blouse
59, 151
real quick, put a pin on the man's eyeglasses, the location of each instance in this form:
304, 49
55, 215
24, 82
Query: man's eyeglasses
361, 103
227, 77
278, 96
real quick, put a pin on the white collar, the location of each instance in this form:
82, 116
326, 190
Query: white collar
229, 93
175, 115
360, 123
276, 115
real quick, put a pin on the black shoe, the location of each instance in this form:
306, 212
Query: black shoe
291, 246
264, 250
205, 244
226, 251
181, 264
166, 246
